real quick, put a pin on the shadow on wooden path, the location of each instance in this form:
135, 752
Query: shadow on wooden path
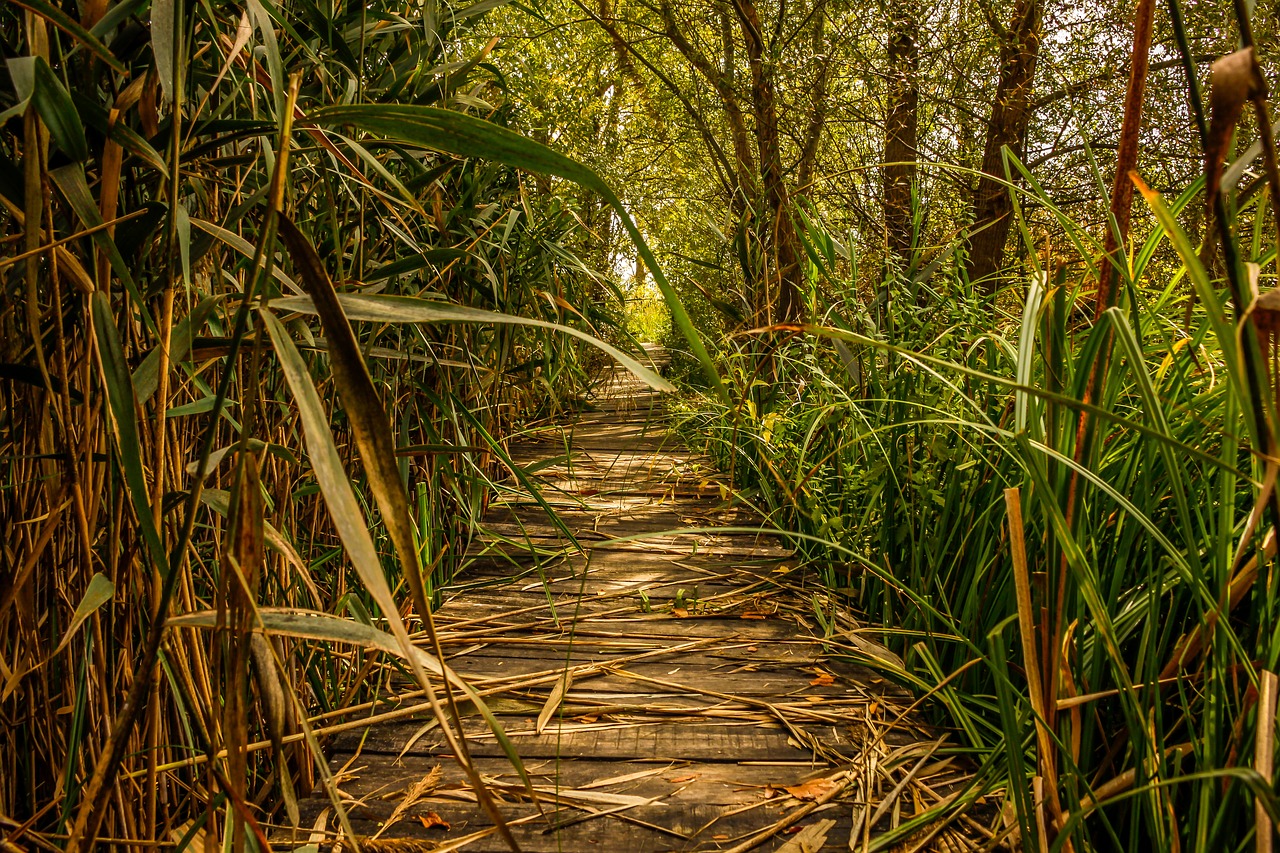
665, 691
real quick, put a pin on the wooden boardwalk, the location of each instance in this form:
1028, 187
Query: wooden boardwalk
670, 686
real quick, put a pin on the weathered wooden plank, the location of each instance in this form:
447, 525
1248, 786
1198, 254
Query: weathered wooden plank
667, 740
691, 827
762, 683
689, 544
624, 602
720, 655
603, 560
634, 627
660, 582
719, 784
641, 517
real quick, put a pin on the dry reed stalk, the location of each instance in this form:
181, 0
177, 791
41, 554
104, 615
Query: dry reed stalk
1263, 757
1035, 676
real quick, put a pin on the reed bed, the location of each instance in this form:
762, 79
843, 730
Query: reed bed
234, 241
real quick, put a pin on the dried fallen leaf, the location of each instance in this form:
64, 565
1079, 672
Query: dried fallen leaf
590, 718
678, 779
769, 792
824, 679
811, 790
431, 820
680, 613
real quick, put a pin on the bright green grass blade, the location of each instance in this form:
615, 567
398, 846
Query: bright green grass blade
123, 403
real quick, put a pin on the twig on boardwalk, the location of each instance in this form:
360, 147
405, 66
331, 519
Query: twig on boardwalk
592, 814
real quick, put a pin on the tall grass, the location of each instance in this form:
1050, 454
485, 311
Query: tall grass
236, 238
1093, 609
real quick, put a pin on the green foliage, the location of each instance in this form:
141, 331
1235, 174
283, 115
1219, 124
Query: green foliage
887, 449
185, 186
647, 316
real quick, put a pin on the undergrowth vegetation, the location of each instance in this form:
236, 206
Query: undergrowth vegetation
278, 285
1059, 513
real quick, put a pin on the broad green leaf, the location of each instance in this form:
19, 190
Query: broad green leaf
349, 520
95, 116
98, 593
466, 136
163, 47
409, 309
123, 406
348, 517
374, 439
22, 74
119, 12
415, 262
58, 112
365, 413
275, 67
71, 181
1027, 346
183, 227
195, 407
479, 8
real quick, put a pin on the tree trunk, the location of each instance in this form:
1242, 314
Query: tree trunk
779, 300
1010, 115
818, 113
902, 126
